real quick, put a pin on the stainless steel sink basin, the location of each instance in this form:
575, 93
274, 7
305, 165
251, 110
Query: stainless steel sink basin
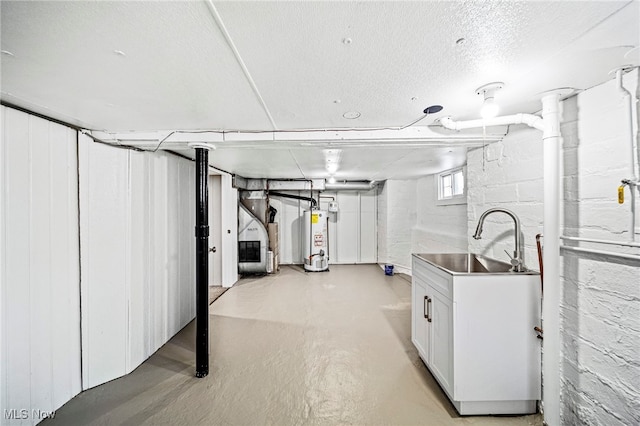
468, 263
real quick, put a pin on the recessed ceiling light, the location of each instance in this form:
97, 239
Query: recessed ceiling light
119, 53
6, 52
351, 115
346, 40
461, 41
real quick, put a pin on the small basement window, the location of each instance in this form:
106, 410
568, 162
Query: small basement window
451, 186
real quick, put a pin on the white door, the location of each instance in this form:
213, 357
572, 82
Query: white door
215, 230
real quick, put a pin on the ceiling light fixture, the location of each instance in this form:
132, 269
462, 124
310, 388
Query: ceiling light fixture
332, 160
332, 167
489, 106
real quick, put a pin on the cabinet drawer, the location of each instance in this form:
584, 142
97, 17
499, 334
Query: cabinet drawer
435, 278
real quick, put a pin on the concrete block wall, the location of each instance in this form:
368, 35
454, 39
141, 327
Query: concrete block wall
410, 221
600, 307
600, 323
438, 228
396, 218
506, 174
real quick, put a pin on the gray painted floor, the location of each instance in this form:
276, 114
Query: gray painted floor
292, 348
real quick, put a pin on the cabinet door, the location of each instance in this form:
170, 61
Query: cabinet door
419, 329
441, 356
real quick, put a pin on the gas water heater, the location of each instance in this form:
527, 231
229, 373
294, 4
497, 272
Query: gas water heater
316, 240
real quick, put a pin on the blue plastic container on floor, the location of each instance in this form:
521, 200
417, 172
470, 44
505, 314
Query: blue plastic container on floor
388, 269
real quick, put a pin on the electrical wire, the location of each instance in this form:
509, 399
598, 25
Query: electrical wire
115, 145
231, 131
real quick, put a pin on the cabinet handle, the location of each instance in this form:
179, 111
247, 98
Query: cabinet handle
429, 310
424, 307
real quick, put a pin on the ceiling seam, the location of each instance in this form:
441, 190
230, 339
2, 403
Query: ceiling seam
388, 166
216, 16
297, 164
587, 31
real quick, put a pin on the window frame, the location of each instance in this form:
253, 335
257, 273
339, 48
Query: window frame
460, 198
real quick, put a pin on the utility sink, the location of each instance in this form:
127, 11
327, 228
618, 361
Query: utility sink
468, 263
473, 326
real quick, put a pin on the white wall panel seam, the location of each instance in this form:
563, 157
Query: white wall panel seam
73, 267
127, 267
50, 251
3, 262
359, 229
85, 320
28, 238
148, 267
79, 252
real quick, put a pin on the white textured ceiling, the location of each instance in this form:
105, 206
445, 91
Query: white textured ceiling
145, 66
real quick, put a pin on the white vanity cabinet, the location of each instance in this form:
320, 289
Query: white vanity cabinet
475, 332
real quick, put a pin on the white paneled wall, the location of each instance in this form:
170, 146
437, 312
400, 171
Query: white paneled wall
137, 222
40, 294
352, 231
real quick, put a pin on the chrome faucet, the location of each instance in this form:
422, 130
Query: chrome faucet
516, 260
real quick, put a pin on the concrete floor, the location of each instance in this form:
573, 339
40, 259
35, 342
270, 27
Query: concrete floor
215, 292
292, 348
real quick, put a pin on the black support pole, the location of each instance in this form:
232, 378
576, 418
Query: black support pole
202, 263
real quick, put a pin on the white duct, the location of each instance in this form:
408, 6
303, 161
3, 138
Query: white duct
353, 186
528, 119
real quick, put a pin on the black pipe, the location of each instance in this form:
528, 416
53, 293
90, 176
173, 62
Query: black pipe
295, 197
202, 263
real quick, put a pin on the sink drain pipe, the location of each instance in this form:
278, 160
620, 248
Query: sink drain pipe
549, 123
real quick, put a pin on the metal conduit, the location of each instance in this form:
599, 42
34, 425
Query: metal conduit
595, 240
601, 252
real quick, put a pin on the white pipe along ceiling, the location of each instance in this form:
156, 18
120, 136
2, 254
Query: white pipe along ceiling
223, 79
329, 95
